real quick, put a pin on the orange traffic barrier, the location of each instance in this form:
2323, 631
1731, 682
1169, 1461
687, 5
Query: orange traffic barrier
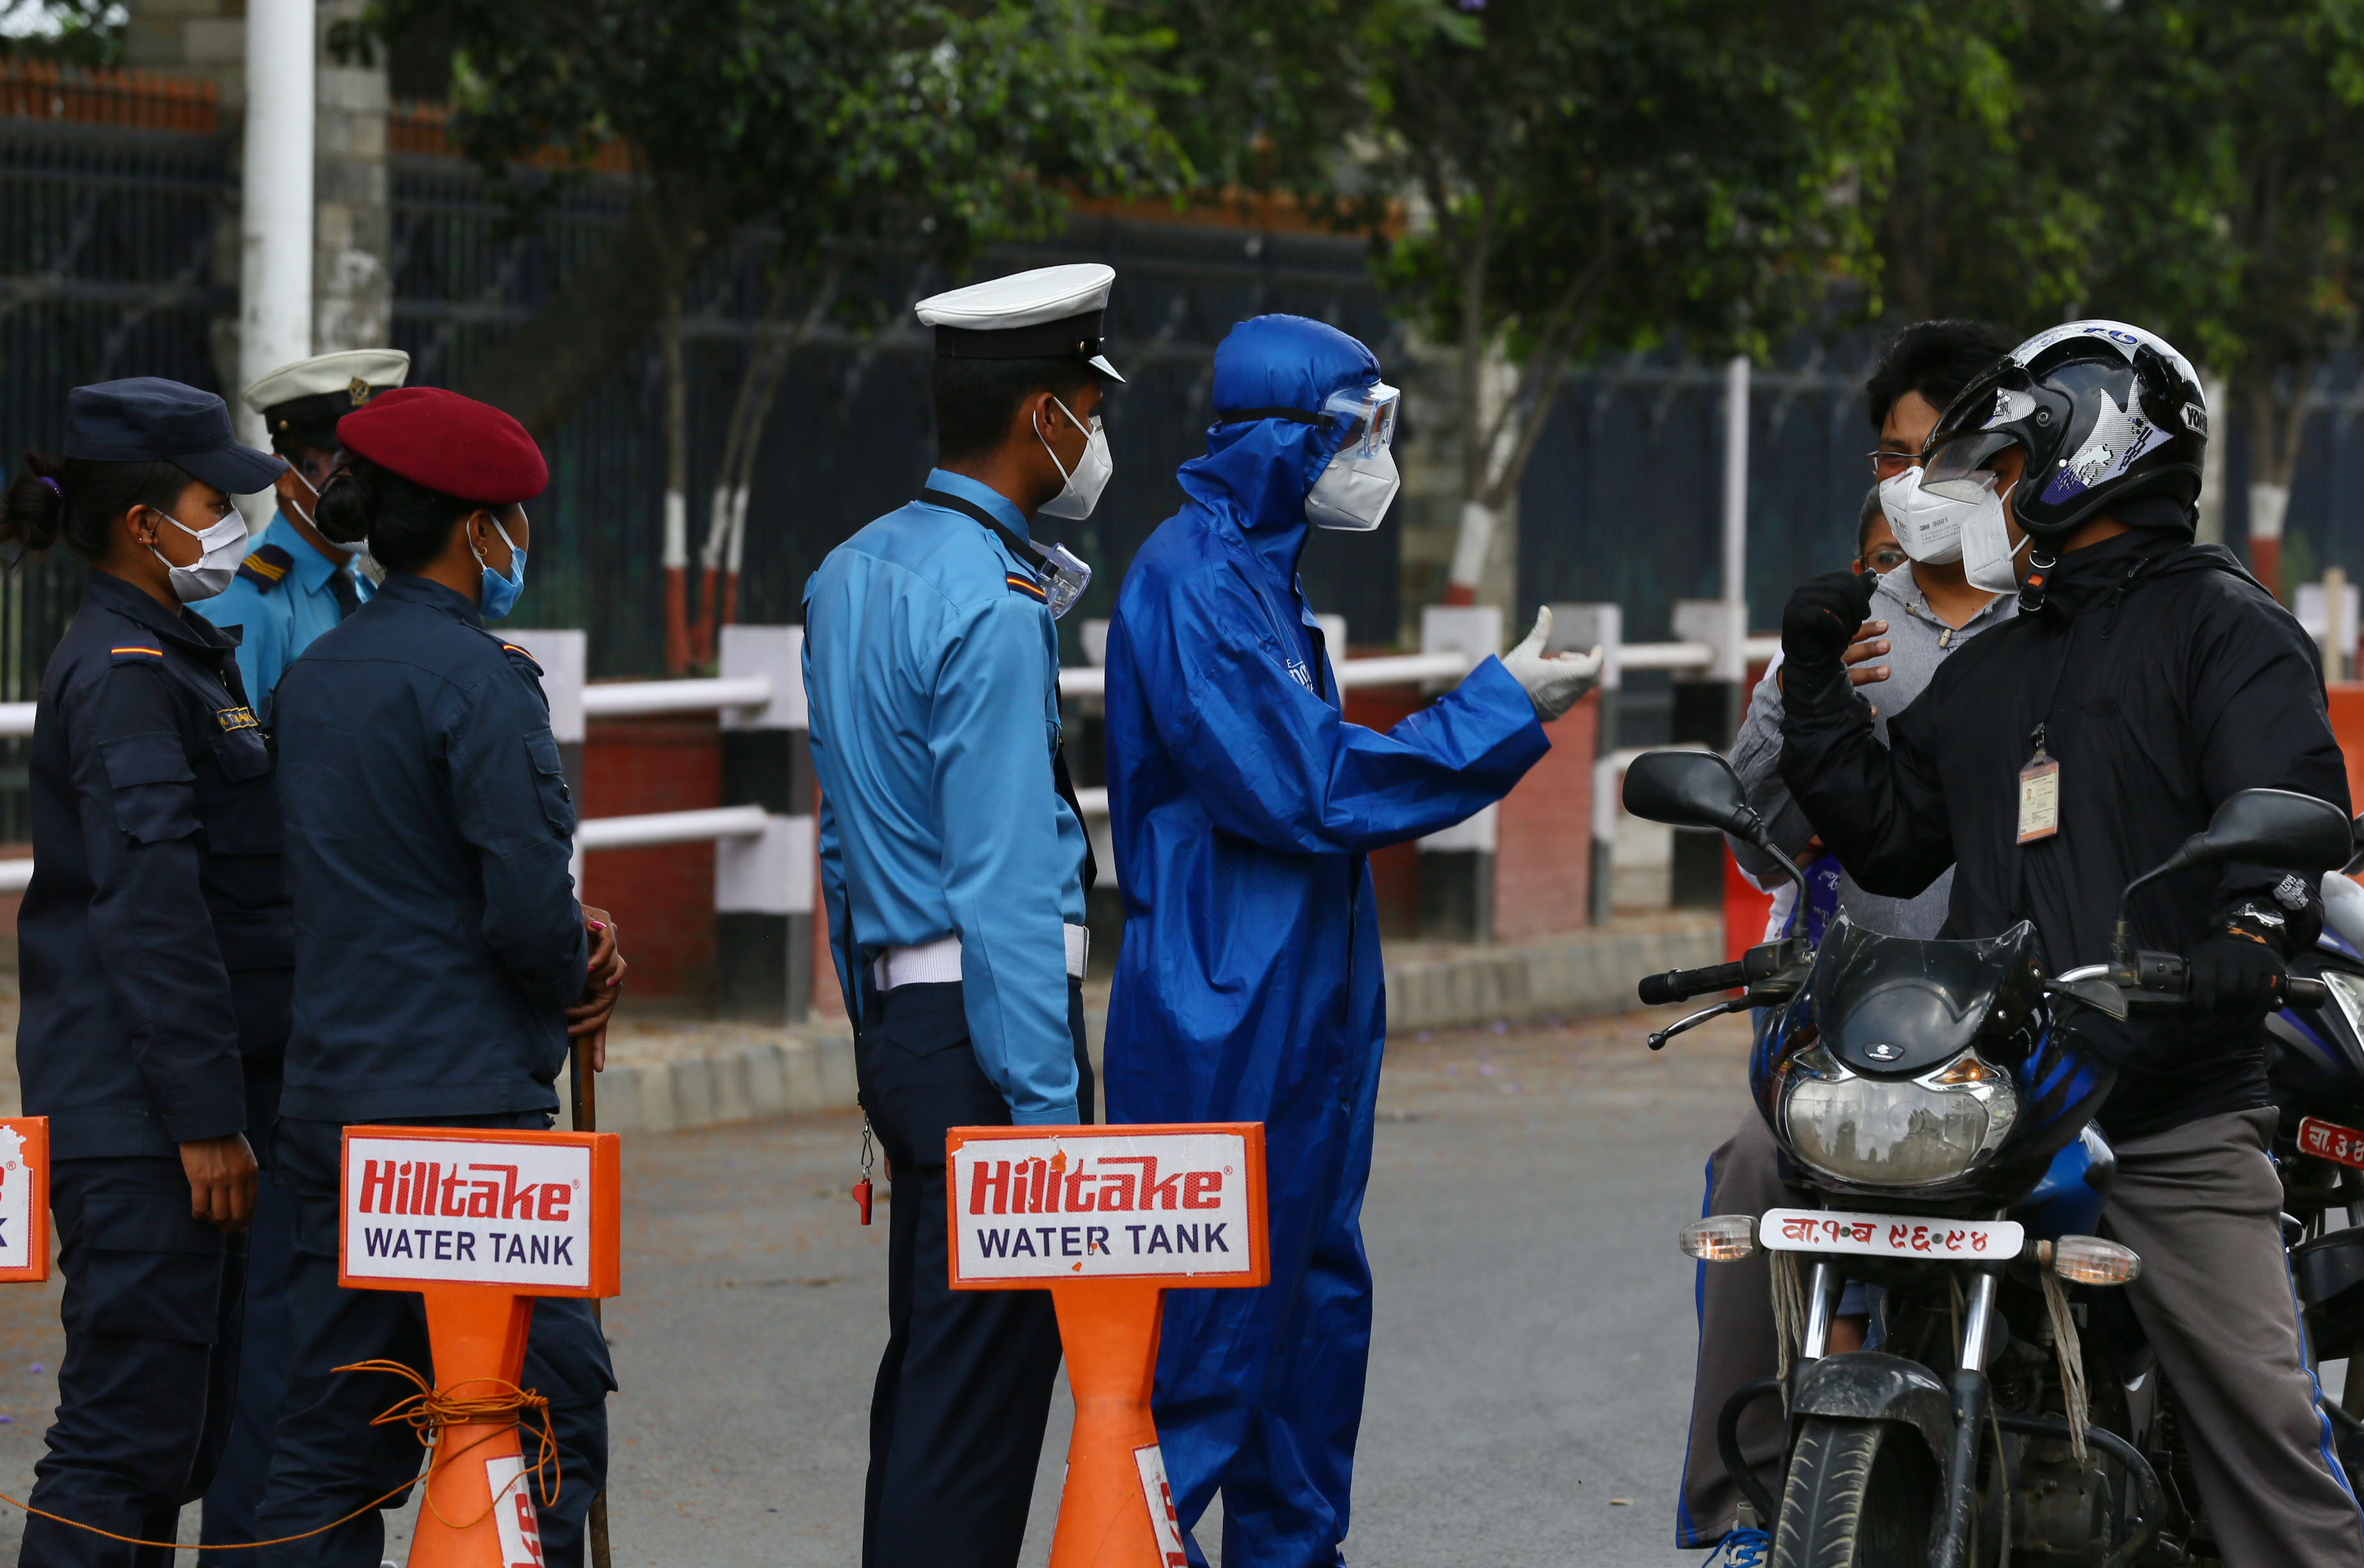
479, 1224
1109, 1218
23, 1198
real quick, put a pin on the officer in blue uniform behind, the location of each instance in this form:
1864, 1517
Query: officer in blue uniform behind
954, 867
292, 586
441, 958
156, 957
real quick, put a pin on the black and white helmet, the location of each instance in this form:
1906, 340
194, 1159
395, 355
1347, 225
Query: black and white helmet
2107, 413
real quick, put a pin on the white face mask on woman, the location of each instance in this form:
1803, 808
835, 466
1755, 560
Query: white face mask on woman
1928, 526
224, 545
1090, 477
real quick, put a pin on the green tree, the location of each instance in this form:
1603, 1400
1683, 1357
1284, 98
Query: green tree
1597, 175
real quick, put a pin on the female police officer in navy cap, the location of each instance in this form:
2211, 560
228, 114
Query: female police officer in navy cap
155, 951
441, 957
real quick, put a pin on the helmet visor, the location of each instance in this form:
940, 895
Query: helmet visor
1368, 415
1956, 468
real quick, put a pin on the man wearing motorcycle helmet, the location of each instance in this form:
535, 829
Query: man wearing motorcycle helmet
2148, 677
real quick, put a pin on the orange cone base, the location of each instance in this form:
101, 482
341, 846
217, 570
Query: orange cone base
476, 1334
1117, 1510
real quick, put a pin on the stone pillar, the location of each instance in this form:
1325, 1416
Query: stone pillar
353, 246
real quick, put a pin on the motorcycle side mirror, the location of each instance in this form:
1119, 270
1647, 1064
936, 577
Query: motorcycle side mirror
2271, 827
1698, 789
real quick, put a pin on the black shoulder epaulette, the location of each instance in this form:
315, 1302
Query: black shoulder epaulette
1020, 583
532, 663
135, 653
265, 566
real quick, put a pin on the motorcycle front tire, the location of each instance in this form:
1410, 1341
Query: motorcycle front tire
1859, 1494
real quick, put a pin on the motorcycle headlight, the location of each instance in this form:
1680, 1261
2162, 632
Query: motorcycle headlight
1895, 1132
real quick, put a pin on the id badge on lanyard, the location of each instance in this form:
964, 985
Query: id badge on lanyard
2039, 794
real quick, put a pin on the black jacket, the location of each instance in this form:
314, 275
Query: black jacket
154, 938
2166, 679
437, 939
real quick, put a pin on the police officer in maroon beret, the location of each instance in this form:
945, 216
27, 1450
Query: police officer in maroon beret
441, 959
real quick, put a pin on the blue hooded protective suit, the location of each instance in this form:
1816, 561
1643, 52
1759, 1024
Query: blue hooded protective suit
1248, 988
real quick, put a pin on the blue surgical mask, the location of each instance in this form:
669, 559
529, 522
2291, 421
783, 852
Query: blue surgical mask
499, 594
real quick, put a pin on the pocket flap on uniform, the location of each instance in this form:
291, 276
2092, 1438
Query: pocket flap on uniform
550, 783
126, 1224
153, 756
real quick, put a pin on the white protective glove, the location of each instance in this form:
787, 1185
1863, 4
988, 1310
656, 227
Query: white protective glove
1555, 681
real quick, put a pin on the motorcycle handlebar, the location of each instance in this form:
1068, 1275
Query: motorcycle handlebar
1681, 984
2165, 982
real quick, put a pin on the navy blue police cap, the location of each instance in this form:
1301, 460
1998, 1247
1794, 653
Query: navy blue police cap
149, 419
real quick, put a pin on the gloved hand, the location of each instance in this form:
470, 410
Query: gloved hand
1823, 617
1555, 681
2235, 970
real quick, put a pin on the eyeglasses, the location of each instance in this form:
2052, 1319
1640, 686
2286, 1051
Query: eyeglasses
1888, 465
1885, 559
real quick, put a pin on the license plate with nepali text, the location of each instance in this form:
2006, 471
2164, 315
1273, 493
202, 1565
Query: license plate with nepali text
2329, 1141
1888, 1235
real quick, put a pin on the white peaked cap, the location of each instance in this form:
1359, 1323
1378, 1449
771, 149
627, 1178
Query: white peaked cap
359, 374
1048, 313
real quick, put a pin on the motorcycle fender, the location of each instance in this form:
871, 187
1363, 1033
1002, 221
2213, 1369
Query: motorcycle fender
1871, 1386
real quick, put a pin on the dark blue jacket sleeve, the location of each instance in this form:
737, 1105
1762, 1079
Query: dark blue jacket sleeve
1269, 761
147, 911
509, 792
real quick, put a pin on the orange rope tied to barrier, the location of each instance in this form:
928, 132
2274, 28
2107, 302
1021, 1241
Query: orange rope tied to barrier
426, 1412
430, 1410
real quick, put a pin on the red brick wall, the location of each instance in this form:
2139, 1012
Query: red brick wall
663, 897
1543, 854
1395, 870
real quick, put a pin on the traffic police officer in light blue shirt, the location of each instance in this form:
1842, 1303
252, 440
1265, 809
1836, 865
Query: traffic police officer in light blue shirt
954, 867
293, 583
292, 586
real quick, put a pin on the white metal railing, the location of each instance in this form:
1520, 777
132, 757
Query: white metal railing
1418, 669
16, 718
671, 827
622, 699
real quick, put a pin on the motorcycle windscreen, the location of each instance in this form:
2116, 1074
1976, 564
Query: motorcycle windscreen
1891, 1004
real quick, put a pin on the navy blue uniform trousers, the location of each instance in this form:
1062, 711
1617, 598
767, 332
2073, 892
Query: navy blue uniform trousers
327, 1460
965, 1387
152, 1309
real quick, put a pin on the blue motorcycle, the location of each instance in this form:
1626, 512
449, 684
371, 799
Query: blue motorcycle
1936, 1099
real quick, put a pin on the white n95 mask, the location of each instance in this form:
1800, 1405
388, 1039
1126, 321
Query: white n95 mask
1928, 526
1988, 553
1082, 490
1355, 492
225, 547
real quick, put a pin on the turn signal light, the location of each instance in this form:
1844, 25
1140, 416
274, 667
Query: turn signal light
2089, 1260
1722, 1237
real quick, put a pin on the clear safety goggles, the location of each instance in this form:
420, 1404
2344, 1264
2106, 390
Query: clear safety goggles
1069, 575
1368, 414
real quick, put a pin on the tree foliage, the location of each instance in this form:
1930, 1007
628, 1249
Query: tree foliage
860, 125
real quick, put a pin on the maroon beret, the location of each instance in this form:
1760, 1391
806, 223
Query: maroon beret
447, 443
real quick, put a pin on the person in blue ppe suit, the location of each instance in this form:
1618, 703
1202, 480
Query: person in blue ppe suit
441, 958
156, 955
293, 583
1248, 988
292, 586
954, 869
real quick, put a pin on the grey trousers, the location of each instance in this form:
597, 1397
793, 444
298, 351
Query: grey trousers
2201, 1204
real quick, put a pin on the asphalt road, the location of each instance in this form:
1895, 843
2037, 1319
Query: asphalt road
1530, 1366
